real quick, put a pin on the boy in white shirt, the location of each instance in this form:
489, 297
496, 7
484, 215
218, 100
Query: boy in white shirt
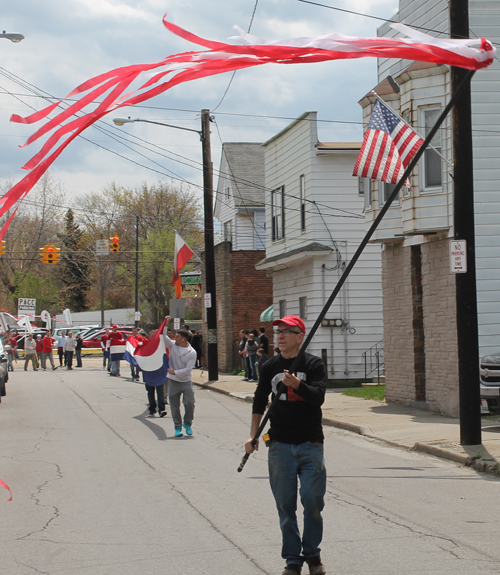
182, 359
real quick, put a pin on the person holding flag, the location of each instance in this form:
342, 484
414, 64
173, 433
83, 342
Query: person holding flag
182, 359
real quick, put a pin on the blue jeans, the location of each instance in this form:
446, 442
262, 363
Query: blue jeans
304, 461
252, 359
158, 389
115, 367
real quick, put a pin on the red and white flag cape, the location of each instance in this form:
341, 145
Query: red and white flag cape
388, 146
109, 91
183, 253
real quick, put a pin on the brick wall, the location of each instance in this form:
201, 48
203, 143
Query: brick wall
420, 342
398, 324
440, 317
243, 293
252, 293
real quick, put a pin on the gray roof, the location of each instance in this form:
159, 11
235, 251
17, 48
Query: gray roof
243, 163
306, 250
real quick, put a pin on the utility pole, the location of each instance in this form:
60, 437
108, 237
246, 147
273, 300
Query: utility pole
213, 362
136, 269
463, 216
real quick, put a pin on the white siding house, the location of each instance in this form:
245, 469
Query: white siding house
420, 338
314, 223
239, 204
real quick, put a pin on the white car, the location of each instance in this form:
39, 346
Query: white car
489, 381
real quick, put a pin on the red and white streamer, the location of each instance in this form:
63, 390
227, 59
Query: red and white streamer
220, 57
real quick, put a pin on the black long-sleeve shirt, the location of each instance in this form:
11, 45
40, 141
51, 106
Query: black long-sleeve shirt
296, 417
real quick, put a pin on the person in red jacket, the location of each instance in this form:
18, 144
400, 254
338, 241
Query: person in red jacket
39, 350
135, 369
115, 335
47, 343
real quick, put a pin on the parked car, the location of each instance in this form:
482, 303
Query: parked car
489, 382
94, 339
4, 374
75, 329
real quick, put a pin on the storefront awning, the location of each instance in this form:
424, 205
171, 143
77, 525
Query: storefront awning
267, 314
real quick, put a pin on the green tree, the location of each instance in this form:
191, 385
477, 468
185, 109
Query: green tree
44, 289
74, 266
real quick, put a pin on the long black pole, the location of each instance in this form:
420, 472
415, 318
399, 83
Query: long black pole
136, 269
463, 223
213, 362
359, 251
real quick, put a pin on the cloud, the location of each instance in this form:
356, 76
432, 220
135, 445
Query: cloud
69, 41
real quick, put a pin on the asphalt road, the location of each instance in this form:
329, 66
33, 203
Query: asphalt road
99, 488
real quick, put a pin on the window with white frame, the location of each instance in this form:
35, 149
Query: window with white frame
303, 307
430, 165
302, 200
278, 214
282, 307
227, 192
365, 189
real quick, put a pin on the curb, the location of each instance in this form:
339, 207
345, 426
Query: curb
480, 465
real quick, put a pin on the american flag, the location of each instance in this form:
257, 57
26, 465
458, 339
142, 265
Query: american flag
388, 146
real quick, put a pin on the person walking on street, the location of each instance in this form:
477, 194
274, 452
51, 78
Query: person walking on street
47, 344
296, 444
182, 358
243, 355
60, 348
251, 348
135, 369
78, 350
105, 351
115, 335
39, 350
10, 340
69, 350
30, 353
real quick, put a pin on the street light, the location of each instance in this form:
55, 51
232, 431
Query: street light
204, 133
121, 121
12, 37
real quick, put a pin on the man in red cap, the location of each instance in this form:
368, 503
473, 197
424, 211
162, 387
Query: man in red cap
296, 444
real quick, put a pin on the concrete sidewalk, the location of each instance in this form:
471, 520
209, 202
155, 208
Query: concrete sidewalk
391, 423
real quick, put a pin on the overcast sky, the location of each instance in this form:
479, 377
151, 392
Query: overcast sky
69, 41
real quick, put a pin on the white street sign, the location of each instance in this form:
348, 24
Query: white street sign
458, 256
26, 306
137, 316
208, 299
101, 247
177, 323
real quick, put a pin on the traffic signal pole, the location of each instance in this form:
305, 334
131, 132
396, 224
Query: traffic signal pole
210, 292
463, 221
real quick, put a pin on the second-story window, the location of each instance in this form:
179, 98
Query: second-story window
385, 191
278, 213
365, 189
302, 202
431, 179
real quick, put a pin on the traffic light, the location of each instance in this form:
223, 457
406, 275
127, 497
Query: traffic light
114, 246
50, 254
2, 247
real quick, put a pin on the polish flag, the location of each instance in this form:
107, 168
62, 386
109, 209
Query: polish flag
183, 253
152, 358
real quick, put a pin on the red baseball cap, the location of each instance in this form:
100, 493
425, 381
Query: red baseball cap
292, 320
114, 325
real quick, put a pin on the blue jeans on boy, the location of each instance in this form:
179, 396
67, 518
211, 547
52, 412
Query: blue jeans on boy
287, 463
